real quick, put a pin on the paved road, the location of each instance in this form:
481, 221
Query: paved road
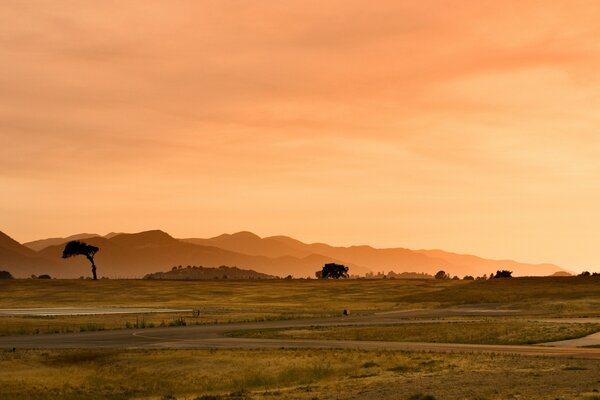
84, 311
211, 336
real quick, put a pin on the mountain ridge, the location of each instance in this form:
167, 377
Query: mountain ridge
137, 254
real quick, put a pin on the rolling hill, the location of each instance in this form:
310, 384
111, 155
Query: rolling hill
21, 261
135, 255
138, 254
204, 273
374, 259
41, 244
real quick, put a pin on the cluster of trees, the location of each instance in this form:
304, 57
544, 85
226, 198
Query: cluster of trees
43, 276
8, 275
499, 274
587, 273
204, 273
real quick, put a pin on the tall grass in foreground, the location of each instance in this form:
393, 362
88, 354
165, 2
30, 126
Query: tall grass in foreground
288, 374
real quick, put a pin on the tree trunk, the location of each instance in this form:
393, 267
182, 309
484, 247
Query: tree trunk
93, 268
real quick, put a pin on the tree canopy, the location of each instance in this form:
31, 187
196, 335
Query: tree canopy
442, 275
333, 271
503, 274
5, 275
77, 248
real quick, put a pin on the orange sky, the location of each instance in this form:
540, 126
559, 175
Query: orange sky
471, 126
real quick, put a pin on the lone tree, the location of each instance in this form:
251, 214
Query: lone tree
333, 270
77, 248
442, 275
5, 275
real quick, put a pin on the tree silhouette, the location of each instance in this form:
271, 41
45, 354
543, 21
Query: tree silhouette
502, 274
77, 248
5, 275
333, 270
442, 275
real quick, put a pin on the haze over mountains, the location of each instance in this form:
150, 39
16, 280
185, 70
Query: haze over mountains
135, 255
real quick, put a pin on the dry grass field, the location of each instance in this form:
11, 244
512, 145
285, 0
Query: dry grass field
505, 331
291, 374
235, 301
304, 373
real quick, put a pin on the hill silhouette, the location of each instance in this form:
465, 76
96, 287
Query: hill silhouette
21, 261
138, 254
41, 244
483, 265
251, 244
387, 259
204, 273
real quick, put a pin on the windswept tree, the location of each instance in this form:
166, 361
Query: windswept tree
77, 248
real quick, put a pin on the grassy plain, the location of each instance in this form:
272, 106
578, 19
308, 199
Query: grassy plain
290, 374
304, 374
234, 301
505, 331
563, 295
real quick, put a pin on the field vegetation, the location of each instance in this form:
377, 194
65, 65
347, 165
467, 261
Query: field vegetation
257, 300
290, 374
503, 331
304, 374
562, 295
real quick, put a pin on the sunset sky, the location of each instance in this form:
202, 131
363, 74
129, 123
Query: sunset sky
471, 126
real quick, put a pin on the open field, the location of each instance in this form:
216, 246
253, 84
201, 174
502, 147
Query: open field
291, 374
304, 363
235, 301
492, 331
562, 295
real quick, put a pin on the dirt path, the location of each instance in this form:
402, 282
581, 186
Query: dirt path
591, 340
212, 336
83, 311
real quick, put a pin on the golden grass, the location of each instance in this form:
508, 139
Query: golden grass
292, 374
555, 294
492, 331
33, 325
236, 301
266, 295
288, 374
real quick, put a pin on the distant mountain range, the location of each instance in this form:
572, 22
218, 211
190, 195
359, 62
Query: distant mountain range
135, 255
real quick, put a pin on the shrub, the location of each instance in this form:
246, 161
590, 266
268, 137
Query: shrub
5, 275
